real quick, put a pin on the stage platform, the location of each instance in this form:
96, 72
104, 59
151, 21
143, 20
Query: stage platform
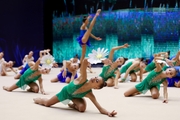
19, 105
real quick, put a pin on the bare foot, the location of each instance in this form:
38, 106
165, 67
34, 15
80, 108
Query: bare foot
71, 105
6, 88
116, 87
30, 90
37, 100
138, 93
98, 12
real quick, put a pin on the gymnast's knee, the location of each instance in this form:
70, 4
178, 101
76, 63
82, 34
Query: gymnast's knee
81, 108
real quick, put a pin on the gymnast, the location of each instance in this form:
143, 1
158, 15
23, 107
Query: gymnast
75, 91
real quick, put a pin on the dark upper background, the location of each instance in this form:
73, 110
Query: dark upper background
27, 24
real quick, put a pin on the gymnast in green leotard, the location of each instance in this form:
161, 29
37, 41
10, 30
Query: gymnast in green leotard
110, 72
131, 68
176, 59
76, 90
29, 77
173, 62
151, 66
152, 82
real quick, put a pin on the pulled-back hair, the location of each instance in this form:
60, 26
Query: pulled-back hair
125, 59
168, 52
104, 84
141, 59
84, 19
145, 61
76, 56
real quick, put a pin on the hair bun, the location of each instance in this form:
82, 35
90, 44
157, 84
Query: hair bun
84, 18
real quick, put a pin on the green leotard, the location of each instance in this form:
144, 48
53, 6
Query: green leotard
174, 63
66, 94
165, 67
27, 78
148, 82
150, 67
106, 75
125, 67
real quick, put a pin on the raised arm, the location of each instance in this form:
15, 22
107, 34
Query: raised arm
159, 57
41, 53
65, 66
111, 54
177, 56
48, 51
83, 68
44, 52
158, 66
36, 65
141, 74
98, 106
165, 54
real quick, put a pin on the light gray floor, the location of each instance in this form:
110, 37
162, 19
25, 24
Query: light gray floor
19, 105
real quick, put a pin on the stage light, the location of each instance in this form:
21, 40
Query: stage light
176, 5
130, 3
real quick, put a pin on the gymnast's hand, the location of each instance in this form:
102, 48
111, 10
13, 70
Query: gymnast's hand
98, 12
112, 114
42, 92
89, 16
169, 62
98, 38
126, 45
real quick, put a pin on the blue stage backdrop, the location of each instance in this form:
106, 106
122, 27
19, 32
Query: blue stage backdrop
21, 28
148, 31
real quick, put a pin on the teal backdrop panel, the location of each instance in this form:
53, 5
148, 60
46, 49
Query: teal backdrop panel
147, 31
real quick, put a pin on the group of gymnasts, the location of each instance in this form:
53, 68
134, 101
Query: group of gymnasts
160, 70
